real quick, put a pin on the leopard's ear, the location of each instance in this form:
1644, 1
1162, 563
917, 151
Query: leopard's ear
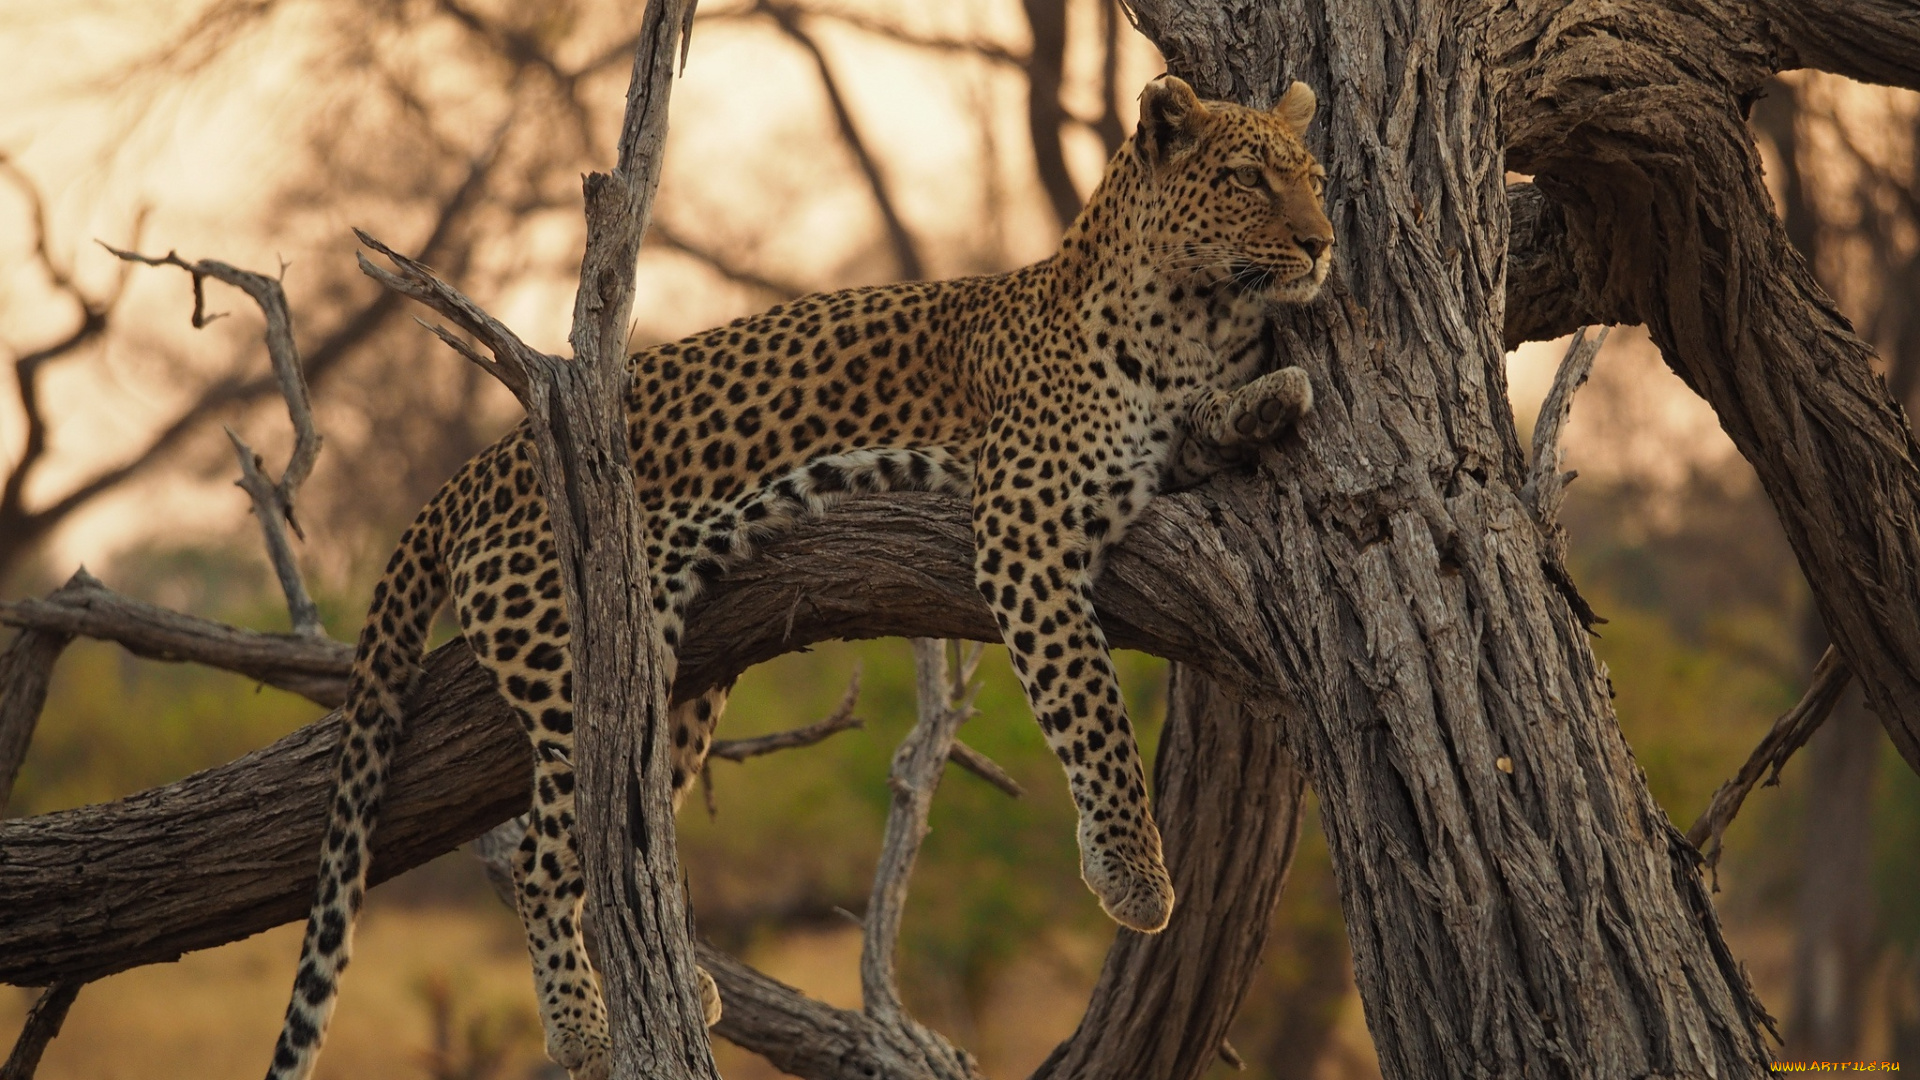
1295, 107
1171, 119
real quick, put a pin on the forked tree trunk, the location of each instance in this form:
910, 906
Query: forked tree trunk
1517, 903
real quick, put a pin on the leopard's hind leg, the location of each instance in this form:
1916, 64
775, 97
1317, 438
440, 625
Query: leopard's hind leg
518, 631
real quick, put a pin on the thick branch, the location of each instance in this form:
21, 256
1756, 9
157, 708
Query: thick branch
1633, 125
229, 852
1546, 296
1871, 41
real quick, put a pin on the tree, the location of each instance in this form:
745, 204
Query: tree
1384, 596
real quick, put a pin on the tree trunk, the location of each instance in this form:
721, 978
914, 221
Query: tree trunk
1517, 903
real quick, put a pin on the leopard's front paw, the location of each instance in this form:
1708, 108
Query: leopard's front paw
1128, 876
583, 1058
1272, 403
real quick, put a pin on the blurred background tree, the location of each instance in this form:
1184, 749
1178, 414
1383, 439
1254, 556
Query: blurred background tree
816, 146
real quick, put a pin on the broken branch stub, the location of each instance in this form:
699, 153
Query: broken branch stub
272, 502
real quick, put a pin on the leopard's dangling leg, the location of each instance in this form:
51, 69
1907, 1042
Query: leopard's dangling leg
1038, 534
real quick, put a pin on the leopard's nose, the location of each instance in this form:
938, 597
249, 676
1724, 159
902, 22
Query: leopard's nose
1314, 246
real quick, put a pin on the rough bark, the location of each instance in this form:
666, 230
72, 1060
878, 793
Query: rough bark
26, 671
229, 852
1229, 800
1630, 116
1517, 903
621, 670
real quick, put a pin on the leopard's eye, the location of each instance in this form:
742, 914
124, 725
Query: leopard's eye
1249, 176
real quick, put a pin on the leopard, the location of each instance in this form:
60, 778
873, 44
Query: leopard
1058, 399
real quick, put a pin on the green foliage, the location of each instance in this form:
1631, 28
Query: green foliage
797, 832
115, 725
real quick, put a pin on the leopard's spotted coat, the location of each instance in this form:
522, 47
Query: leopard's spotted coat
1060, 397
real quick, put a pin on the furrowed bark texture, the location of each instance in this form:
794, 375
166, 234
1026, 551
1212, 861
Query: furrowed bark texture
622, 672
1631, 118
1229, 802
1518, 904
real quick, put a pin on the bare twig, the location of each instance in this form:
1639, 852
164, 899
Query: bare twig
43, 1023
272, 502
917, 766
511, 356
984, 767
1546, 485
314, 668
841, 719
1788, 734
26, 669
906, 256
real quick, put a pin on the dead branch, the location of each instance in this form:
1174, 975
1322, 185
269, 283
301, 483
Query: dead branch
621, 673
985, 768
1788, 734
917, 767
26, 670
43, 1023
841, 719
315, 669
1546, 485
906, 255
21, 528
272, 502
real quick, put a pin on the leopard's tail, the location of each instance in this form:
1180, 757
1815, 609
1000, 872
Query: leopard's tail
384, 666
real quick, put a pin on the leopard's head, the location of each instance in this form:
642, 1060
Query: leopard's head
1233, 194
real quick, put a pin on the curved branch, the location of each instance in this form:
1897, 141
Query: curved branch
228, 852
1870, 41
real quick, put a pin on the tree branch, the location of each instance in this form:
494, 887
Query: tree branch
314, 668
1788, 734
1870, 41
841, 719
26, 670
1634, 125
229, 852
272, 502
43, 1024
